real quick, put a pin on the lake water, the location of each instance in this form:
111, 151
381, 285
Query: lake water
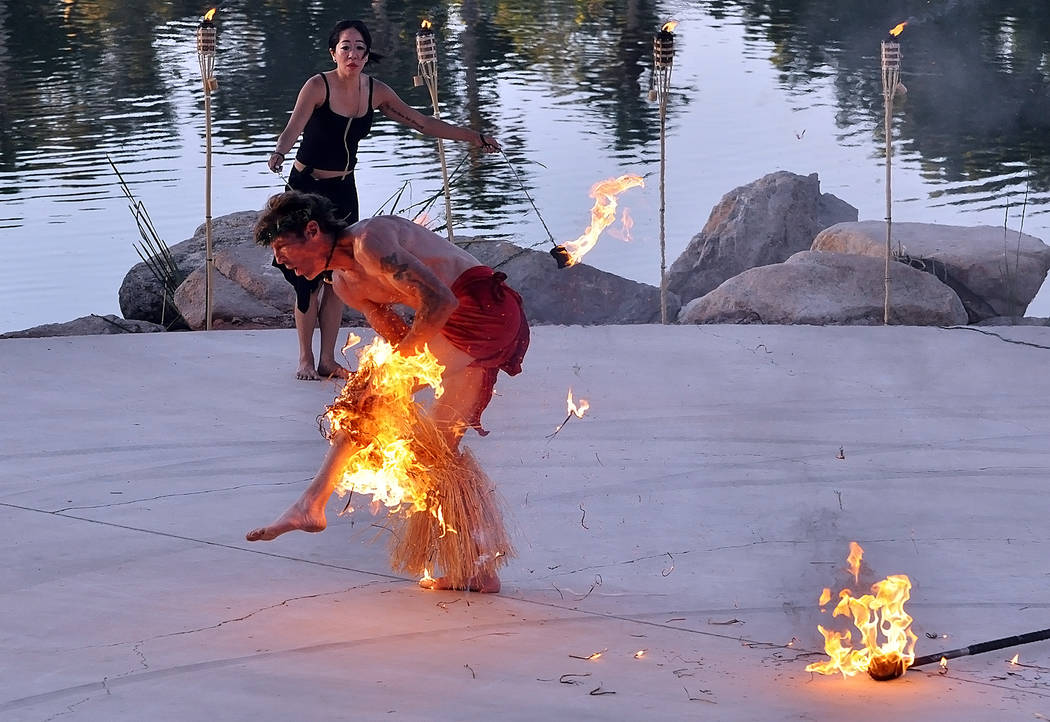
756, 87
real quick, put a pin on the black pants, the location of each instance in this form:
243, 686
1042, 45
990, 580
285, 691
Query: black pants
342, 192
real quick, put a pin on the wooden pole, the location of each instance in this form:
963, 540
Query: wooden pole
209, 262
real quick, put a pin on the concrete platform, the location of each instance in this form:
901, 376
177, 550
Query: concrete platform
695, 513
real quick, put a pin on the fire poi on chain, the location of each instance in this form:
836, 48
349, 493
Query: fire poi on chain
603, 213
577, 410
875, 615
444, 509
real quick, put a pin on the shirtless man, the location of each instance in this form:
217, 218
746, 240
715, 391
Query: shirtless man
470, 320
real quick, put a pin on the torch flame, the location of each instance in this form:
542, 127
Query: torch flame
882, 611
898, 29
856, 553
602, 214
669, 26
209, 15
572, 408
384, 462
425, 24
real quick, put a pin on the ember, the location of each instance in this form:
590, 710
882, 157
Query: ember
882, 611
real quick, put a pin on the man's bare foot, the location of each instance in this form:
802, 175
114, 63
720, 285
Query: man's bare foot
295, 519
306, 371
335, 371
486, 583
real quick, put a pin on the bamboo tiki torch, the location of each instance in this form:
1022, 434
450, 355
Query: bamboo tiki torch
891, 76
426, 53
206, 57
663, 61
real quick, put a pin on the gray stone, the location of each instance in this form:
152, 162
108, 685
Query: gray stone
92, 325
141, 294
1003, 270
580, 294
824, 288
1015, 321
757, 224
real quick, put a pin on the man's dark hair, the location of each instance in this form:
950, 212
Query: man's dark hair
290, 212
333, 37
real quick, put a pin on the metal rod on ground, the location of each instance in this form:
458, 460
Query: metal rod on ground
206, 58
982, 647
426, 52
663, 61
891, 75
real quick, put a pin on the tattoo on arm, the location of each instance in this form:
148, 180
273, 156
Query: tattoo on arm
400, 117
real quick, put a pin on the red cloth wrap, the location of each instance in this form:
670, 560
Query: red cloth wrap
490, 326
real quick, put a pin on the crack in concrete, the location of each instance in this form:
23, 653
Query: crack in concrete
175, 494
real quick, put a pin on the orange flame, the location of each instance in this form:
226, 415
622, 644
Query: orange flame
855, 555
1014, 660
944, 663
425, 24
209, 15
825, 597
572, 408
897, 29
602, 214
882, 611
385, 464
669, 26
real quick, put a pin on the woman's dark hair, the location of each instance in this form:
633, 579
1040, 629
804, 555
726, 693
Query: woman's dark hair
289, 212
333, 37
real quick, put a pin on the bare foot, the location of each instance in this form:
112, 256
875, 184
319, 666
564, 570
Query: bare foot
306, 371
335, 371
486, 583
295, 519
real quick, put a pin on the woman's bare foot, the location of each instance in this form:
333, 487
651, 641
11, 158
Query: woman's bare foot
486, 583
306, 372
296, 518
335, 371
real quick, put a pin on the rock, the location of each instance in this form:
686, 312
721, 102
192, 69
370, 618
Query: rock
249, 292
92, 325
578, 295
824, 288
754, 225
141, 295
1015, 321
1002, 274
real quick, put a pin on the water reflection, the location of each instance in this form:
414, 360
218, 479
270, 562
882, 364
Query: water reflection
759, 85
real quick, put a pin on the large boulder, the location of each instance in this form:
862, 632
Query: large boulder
92, 325
248, 292
995, 272
141, 295
824, 288
578, 295
754, 225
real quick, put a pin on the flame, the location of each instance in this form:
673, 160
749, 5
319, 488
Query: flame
944, 663
639, 654
209, 15
897, 29
572, 408
882, 611
425, 24
669, 26
602, 214
426, 576
855, 555
825, 597
1014, 660
384, 462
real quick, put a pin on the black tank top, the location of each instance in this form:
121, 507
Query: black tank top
329, 139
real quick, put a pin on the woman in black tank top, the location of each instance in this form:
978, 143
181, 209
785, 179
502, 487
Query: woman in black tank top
333, 113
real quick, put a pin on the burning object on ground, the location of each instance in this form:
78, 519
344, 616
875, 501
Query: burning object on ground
603, 213
875, 615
